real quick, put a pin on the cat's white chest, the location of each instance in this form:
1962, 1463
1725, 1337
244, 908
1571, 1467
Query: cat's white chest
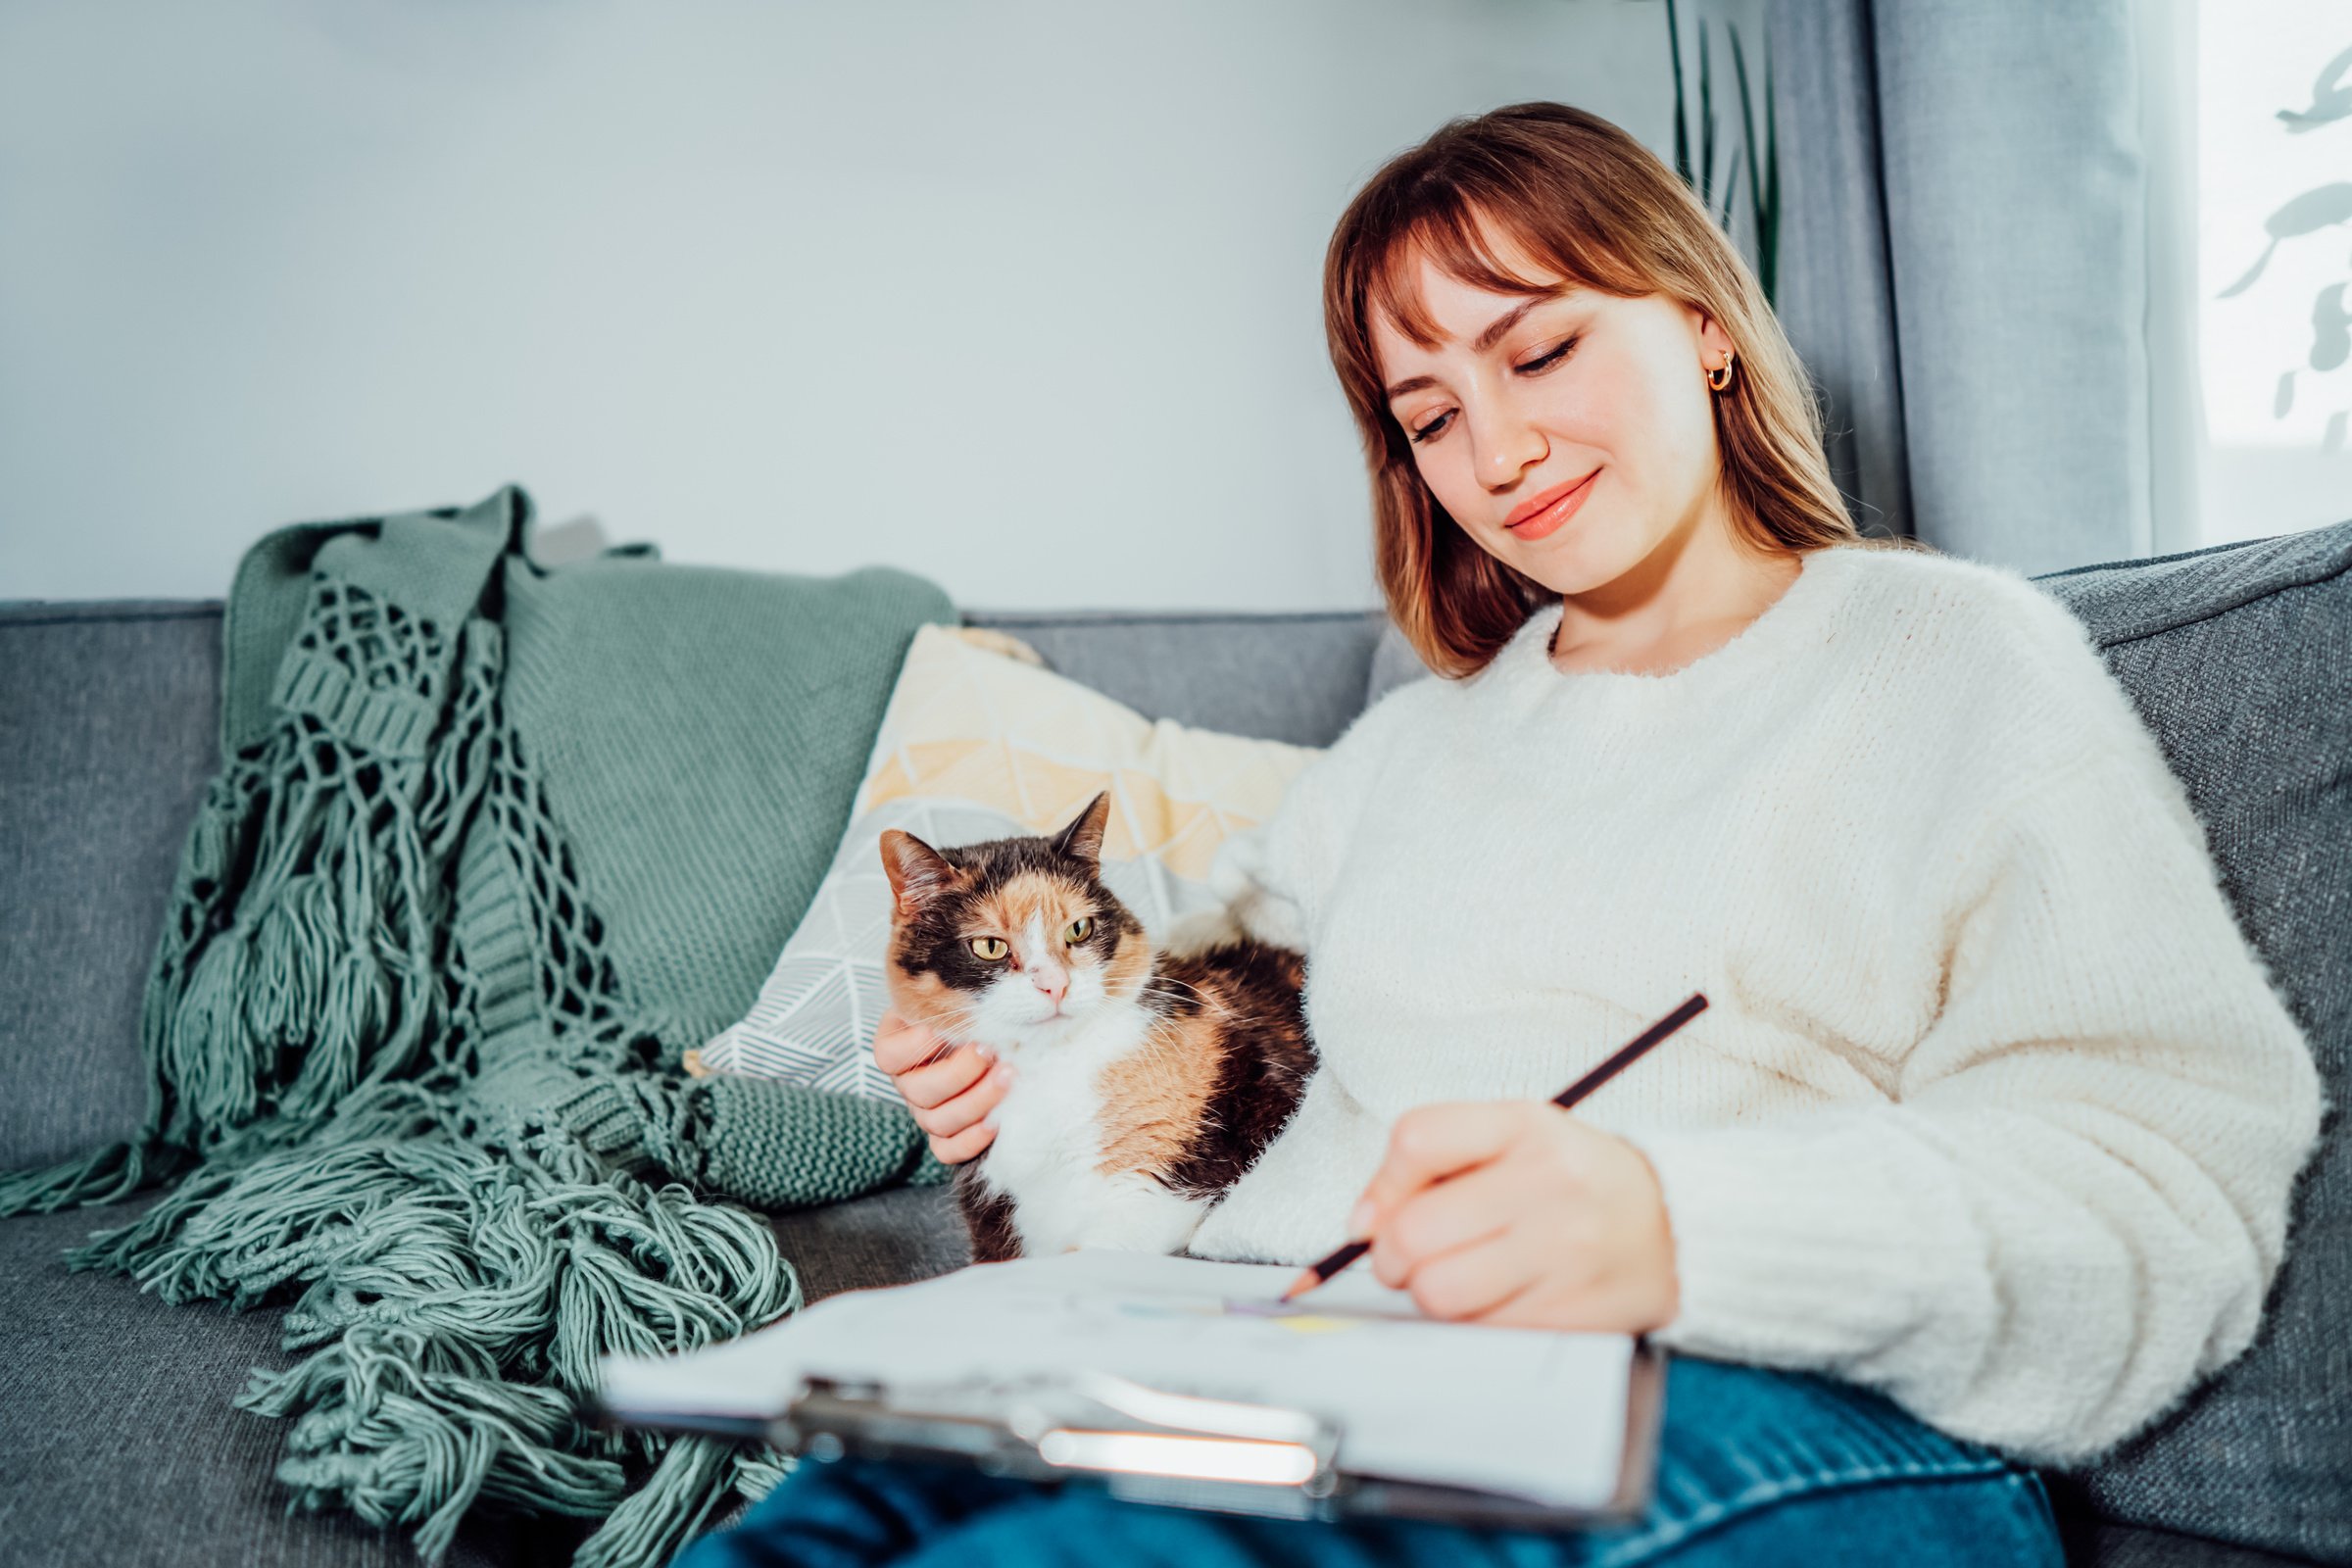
1049, 1143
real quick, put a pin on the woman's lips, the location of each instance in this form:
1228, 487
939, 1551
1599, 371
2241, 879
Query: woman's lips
1554, 512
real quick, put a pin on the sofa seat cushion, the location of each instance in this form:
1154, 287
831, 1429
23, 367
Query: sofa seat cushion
122, 1431
123, 1446
2126, 1547
894, 1237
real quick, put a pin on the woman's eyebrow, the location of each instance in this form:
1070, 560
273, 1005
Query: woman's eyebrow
1484, 340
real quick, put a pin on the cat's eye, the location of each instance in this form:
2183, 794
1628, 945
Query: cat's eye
990, 948
1079, 928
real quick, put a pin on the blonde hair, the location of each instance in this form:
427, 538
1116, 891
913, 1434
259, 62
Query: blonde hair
1578, 194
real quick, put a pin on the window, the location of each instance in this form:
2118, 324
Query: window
2273, 239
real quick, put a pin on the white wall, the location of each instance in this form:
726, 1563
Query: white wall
1023, 296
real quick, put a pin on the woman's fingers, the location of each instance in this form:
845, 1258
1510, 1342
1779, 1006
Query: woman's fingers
951, 1114
951, 1088
965, 1125
965, 1146
899, 1043
929, 1088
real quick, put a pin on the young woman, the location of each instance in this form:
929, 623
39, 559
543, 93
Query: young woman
1978, 1158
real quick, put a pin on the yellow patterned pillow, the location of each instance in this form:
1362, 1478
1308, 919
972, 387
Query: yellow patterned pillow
982, 741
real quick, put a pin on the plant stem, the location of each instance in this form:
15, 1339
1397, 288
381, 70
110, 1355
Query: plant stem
1682, 131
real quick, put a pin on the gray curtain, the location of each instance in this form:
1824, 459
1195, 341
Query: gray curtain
1963, 265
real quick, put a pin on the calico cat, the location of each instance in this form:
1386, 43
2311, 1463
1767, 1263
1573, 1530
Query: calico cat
1147, 1083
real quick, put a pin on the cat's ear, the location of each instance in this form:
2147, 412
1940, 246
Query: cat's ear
1083, 839
918, 872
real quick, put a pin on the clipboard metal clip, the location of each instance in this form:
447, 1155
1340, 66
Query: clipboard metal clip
1181, 1434
1142, 1442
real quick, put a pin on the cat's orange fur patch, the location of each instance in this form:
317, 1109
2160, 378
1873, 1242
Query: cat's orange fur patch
1130, 961
1007, 909
1154, 1097
927, 1000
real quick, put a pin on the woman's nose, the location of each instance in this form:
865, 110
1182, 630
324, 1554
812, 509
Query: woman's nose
1510, 446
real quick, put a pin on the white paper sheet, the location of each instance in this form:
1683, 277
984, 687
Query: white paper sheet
1534, 1413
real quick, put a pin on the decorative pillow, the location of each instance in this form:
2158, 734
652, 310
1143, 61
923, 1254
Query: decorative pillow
981, 740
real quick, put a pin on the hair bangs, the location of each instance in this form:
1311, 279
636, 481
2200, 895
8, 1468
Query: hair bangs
1450, 237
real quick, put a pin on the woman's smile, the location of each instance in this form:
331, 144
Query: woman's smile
1548, 511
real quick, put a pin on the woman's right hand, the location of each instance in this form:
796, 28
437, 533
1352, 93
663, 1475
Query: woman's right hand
951, 1097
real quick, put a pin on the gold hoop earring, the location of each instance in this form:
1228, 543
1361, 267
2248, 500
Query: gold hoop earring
1727, 374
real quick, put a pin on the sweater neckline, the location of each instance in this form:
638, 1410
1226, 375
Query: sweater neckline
1525, 661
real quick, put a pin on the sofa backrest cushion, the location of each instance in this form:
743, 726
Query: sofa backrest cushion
109, 724
2239, 659
1297, 677
109, 716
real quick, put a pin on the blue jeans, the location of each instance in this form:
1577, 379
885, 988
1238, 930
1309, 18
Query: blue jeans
1756, 1468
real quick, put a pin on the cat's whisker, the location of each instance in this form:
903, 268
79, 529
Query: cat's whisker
1182, 986
1151, 995
1208, 1001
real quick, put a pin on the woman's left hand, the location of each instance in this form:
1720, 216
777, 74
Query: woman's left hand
1512, 1212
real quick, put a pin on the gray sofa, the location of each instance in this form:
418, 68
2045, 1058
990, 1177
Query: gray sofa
123, 1447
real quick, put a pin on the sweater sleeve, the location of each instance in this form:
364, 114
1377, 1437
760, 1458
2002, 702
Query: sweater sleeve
2070, 1207
1273, 878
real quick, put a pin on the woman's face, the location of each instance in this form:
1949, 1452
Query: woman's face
1525, 397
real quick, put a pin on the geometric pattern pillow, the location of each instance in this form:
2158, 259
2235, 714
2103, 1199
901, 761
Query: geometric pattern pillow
981, 740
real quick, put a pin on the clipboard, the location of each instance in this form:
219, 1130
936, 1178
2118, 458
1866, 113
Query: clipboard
1151, 1444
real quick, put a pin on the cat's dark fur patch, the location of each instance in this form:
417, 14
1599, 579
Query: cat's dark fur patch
1240, 1007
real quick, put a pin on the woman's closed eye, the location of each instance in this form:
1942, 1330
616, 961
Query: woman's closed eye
1535, 367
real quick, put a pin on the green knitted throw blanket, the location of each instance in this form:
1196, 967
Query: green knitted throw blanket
491, 843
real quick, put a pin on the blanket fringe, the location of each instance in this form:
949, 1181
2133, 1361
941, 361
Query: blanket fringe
457, 1296
405, 1429
326, 1073
286, 975
108, 1174
672, 1505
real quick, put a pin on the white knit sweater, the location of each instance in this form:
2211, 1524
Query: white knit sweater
1993, 1108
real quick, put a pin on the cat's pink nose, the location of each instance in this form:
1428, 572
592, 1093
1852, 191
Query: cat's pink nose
1053, 985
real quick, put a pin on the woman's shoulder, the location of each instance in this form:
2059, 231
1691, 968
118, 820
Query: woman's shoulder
1989, 602
1999, 662
1979, 623
1408, 707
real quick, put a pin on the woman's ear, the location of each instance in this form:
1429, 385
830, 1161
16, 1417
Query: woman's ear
1714, 343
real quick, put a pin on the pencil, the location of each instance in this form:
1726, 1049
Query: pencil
1321, 1272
